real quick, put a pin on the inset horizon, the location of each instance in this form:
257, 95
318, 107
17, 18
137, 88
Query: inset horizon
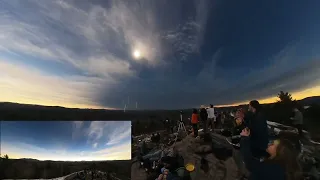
66, 140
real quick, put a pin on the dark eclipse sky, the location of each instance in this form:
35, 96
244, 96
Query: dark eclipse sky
157, 53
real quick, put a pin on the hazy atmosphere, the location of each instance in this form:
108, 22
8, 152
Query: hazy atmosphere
66, 140
161, 54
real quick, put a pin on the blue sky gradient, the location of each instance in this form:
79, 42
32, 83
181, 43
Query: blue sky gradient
67, 140
80, 53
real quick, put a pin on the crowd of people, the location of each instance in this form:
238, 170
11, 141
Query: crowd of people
264, 157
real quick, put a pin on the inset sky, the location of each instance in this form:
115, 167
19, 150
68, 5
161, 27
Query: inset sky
66, 140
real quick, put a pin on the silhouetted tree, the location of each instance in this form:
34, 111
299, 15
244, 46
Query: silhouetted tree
284, 97
6, 156
283, 108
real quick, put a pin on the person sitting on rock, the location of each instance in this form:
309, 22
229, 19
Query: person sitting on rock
164, 174
176, 172
239, 124
281, 164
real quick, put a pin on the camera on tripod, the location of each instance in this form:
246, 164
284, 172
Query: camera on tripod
181, 116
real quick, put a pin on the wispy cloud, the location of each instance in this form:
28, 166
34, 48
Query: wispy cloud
110, 132
76, 129
96, 140
96, 41
95, 145
79, 54
30, 85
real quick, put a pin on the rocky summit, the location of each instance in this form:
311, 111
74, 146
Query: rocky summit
213, 155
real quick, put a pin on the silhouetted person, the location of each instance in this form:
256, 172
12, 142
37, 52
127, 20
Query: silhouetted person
157, 138
204, 118
194, 122
297, 120
168, 125
259, 129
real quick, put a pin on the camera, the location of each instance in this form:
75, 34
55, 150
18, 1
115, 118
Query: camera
181, 116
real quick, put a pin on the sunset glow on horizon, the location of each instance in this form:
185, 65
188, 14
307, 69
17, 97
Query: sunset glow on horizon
66, 140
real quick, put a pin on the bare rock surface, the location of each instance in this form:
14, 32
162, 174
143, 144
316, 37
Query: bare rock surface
219, 154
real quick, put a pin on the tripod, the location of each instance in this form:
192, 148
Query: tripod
181, 125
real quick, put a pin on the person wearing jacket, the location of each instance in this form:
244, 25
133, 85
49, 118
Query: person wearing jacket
194, 122
259, 129
281, 163
204, 118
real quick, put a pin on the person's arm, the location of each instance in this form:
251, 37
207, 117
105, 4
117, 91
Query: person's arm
295, 117
245, 150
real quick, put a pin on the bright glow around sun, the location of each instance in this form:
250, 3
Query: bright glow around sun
136, 54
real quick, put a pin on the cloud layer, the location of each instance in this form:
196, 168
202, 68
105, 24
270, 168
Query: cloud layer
79, 54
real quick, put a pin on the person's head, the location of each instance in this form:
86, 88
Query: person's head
194, 111
295, 109
282, 152
240, 113
211, 105
254, 106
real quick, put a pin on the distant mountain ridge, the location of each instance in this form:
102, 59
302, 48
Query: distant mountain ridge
305, 101
31, 159
310, 100
26, 112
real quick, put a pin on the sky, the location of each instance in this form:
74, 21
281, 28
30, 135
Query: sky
66, 140
164, 54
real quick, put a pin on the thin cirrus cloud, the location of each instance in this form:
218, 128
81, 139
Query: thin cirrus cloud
67, 141
79, 54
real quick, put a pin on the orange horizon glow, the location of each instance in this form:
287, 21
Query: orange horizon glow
315, 91
114, 158
64, 105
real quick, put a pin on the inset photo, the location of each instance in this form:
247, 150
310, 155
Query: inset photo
65, 149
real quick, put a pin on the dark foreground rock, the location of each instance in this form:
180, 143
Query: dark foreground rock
214, 156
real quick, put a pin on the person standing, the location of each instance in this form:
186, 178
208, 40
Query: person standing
167, 125
297, 120
259, 130
211, 116
194, 122
204, 118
